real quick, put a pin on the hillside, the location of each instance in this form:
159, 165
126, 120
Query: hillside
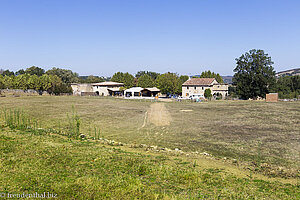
227, 79
291, 72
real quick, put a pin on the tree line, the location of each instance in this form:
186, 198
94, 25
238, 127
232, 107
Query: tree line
254, 77
54, 81
168, 83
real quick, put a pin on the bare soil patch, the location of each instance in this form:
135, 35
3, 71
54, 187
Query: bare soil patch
159, 115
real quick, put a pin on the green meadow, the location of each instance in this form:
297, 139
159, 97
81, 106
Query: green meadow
141, 149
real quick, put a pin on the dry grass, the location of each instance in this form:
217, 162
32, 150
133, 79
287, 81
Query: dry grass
254, 132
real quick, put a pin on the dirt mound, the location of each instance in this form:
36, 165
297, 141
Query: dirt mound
159, 115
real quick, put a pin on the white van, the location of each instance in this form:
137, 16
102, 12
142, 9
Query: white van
196, 97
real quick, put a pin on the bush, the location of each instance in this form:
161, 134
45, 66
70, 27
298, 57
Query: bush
207, 93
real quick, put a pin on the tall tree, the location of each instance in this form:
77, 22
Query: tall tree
58, 86
181, 80
254, 74
35, 71
209, 74
145, 81
67, 76
168, 83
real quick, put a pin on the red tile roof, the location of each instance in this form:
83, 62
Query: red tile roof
199, 81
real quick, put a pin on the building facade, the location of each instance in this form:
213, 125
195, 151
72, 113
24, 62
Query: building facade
97, 89
82, 89
199, 85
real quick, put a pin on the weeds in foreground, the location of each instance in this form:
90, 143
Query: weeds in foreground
17, 119
74, 124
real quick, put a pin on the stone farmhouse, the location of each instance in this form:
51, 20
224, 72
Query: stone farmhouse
108, 88
199, 85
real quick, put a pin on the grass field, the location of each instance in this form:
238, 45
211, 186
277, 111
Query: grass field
261, 143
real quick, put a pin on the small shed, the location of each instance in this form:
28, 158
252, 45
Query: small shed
272, 97
150, 92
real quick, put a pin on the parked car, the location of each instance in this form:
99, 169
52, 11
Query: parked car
197, 97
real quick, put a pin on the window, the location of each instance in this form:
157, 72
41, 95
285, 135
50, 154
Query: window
195, 88
202, 88
187, 87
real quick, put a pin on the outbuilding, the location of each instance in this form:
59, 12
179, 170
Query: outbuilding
141, 92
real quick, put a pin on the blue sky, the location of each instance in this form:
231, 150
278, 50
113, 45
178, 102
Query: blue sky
187, 37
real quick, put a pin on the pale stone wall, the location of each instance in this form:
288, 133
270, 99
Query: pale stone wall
215, 88
78, 88
189, 90
221, 89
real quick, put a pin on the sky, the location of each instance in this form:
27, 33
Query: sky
186, 37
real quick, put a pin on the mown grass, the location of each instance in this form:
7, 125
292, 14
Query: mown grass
257, 133
75, 169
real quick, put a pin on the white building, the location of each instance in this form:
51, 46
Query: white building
108, 88
95, 89
141, 92
199, 85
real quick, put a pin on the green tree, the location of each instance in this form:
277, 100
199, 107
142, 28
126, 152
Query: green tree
287, 87
8, 73
181, 80
209, 74
21, 81
19, 72
254, 74
125, 78
2, 86
46, 83
145, 81
168, 83
207, 93
34, 83
58, 86
8, 81
90, 79
153, 75
67, 76
94, 79
35, 71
